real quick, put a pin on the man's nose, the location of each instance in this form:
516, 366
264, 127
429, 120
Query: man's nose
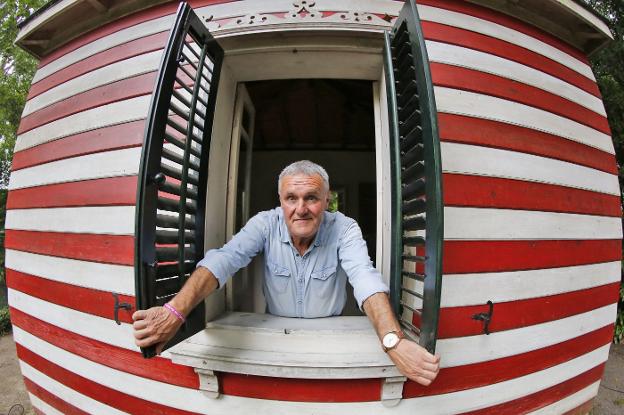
301, 209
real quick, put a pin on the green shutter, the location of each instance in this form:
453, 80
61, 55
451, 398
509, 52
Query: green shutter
171, 195
416, 264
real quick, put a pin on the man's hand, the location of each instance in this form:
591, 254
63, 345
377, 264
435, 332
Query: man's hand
154, 326
414, 362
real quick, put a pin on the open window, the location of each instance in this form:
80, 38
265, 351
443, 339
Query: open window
175, 170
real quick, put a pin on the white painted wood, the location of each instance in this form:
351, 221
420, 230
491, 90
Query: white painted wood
392, 391
126, 68
497, 224
193, 400
98, 276
87, 325
569, 402
466, 350
485, 27
110, 220
116, 113
92, 166
208, 383
491, 162
107, 42
455, 101
492, 64
42, 405
80, 401
471, 289
586, 15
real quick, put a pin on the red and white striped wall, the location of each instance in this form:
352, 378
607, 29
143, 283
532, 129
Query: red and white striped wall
532, 223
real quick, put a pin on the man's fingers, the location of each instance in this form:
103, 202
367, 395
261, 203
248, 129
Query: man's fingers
139, 324
430, 367
139, 315
142, 334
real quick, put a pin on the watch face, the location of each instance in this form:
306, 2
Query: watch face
390, 340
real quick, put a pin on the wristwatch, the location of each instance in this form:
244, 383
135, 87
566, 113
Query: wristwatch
391, 340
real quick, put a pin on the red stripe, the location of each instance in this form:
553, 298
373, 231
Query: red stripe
458, 322
470, 130
108, 396
465, 38
478, 256
110, 249
157, 368
545, 397
451, 379
302, 390
115, 137
112, 191
473, 80
119, 24
52, 400
507, 21
99, 60
582, 409
116, 91
86, 300
491, 192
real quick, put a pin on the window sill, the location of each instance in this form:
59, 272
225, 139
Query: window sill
266, 345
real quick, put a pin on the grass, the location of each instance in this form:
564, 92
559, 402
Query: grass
5, 321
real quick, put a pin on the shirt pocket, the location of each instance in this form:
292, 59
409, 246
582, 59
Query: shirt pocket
278, 278
323, 282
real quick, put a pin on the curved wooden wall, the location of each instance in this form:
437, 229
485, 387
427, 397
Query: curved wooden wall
532, 223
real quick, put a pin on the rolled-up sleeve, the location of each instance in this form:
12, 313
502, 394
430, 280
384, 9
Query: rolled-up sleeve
239, 251
354, 260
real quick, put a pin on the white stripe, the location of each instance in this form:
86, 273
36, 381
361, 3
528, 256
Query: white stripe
569, 402
488, 28
486, 161
114, 72
107, 42
80, 401
586, 15
459, 289
488, 63
461, 223
110, 220
455, 101
87, 325
42, 405
471, 349
115, 113
192, 400
150, 390
92, 166
105, 277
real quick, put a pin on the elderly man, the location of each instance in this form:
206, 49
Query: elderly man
309, 253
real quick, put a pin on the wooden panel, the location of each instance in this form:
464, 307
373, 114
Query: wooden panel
114, 191
159, 369
460, 102
99, 276
48, 403
469, 39
489, 133
112, 249
479, 191
468, 256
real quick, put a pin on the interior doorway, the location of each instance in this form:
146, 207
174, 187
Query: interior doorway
328, 121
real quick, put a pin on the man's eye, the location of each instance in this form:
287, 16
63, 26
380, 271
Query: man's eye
312, 198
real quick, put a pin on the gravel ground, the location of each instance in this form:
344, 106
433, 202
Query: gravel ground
12, 391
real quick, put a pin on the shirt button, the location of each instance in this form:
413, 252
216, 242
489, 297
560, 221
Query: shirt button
300, 279
299, 301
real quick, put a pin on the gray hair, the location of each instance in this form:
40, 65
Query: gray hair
304, 168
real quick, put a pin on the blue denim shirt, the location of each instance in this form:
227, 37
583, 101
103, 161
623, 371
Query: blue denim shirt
309, 285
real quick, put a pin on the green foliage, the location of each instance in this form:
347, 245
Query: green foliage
18, 69
607, 65
5, 320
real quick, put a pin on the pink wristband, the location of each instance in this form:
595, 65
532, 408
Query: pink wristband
174, 312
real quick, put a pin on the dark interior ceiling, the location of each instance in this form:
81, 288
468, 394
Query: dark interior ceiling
313, 114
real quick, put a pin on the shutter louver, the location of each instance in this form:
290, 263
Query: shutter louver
171, 195
417, 211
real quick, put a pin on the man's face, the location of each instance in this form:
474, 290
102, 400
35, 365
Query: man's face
303, 200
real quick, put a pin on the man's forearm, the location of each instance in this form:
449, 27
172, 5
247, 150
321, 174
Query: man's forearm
377, 308
200, 284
